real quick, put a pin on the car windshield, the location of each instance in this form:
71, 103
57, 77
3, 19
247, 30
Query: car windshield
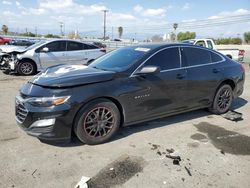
36, 45
121, 59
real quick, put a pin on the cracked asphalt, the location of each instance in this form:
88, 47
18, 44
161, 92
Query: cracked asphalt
214, 152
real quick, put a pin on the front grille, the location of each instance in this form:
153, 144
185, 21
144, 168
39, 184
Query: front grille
21, 111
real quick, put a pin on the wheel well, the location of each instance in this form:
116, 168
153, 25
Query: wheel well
229, 82
116, 102
30, 60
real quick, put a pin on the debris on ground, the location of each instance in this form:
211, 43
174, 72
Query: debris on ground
176, 159
34, 173
170, 150
188, 171
83, 182
154, 146
233, 116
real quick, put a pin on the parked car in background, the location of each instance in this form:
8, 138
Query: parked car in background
22, 42
4, 41
235, 54
44, 54
124, 87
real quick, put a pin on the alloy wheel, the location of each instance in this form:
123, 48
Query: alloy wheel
26, 68
99, 122
224, 99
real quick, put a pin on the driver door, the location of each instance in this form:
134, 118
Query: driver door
154, 95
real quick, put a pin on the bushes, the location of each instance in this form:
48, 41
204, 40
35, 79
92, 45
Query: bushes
229, 41
247, 37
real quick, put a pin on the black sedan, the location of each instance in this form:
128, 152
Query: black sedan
125, 87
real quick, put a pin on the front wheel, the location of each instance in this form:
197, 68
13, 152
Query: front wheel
97, 122
222, 100
26, 68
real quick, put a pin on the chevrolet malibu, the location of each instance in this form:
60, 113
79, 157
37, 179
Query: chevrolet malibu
127, 86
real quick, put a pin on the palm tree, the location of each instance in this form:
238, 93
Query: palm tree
5, 29
120, 31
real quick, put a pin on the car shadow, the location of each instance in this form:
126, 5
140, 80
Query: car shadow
157, 123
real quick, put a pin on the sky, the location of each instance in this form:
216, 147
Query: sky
139, 18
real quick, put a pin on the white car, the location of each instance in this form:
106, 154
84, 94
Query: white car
50, 53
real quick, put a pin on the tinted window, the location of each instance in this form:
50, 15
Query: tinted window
58, 46
209, 44
119, 60
74, 46
201, 43
195, 56
166, 59
215, 57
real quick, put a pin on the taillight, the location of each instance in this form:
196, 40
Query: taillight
241, 52
103, 50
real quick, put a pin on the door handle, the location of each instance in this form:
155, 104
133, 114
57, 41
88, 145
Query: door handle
180, 76
216, 70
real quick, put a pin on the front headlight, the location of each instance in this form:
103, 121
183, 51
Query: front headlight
47, 101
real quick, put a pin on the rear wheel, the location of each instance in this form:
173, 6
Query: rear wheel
97, 122
222, 100
26, 68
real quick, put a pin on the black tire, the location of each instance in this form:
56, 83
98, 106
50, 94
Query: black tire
97, 122
222, 100
26, 68
6, 43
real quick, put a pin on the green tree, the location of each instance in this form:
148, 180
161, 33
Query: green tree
120, 31
247, 37
186, 35
51, 36
28, 34
5, 29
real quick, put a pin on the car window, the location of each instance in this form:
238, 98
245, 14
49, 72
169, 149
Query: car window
195, 56
121, 59
215, 57
166, 59
57, 46
209, 44
200, 43
75, 46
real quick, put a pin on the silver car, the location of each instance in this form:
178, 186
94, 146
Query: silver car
49, 53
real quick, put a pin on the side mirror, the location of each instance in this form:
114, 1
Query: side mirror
148, 70
45, 49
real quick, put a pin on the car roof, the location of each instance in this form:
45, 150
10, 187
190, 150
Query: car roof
153, 46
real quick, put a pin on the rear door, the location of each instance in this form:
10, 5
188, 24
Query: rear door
76, 53
204, 72
162, 93
56, 54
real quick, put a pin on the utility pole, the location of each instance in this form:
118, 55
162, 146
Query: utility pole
61, 27
104, 24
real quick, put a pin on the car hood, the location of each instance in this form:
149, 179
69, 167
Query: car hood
9, 49
70, 76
